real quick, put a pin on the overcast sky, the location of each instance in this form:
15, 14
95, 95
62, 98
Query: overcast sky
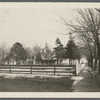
37, 24
31, 25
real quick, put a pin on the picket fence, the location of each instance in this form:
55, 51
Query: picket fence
79, 67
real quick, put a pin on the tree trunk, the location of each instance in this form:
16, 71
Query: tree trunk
91, 61
95, 65
98, 45
57, 61
96, 58
13, 61
69, 61
72, 62
61, 61
99, 65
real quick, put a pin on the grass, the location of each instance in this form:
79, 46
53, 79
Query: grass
37, 84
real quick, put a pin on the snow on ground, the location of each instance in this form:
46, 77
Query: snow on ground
76, 79
41, 75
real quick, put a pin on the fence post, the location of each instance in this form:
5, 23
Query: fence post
54, 69
10, 69
31, 69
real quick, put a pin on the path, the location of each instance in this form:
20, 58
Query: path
87, 84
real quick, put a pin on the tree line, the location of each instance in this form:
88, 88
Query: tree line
18, 53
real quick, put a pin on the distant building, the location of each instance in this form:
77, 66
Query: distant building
31, 60
48, 58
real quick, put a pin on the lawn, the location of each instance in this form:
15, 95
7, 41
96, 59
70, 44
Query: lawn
36, 84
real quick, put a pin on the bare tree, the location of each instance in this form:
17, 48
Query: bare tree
36, 49
87, 48
29, 51
48, 51
87, 26
4, 50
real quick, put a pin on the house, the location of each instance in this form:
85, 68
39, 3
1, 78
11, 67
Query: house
48, 58
31, 60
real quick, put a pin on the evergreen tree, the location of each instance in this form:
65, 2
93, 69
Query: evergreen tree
47, 51
72, 51
17, 52
59, 51
38, 58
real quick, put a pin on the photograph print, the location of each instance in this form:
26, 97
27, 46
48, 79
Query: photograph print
49, 47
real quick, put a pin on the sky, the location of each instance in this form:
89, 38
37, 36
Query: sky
35, 24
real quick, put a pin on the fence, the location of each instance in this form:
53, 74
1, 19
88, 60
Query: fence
53, 69
31, 69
